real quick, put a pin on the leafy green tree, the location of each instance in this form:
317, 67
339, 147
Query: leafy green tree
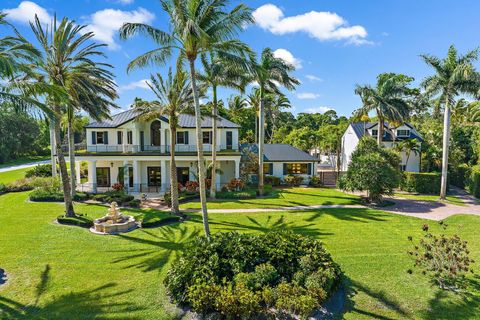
330, 139
195, 27
303, 138
269, 72
390, 99
454, 75
372, 169
175, 97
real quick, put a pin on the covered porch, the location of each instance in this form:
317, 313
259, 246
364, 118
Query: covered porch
150, 176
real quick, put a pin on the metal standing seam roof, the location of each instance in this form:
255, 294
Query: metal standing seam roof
360, 129
184, 121
279, 152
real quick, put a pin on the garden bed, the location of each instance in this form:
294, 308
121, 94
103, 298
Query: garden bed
79, 220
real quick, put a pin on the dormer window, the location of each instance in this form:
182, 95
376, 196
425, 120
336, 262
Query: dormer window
403, 133
375, 132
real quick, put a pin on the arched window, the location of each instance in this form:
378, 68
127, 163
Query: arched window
155, 133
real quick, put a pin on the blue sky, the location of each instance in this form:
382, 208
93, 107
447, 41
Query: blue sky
334, 44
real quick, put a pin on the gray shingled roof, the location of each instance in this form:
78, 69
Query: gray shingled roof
185, 121
279, 152
360, 129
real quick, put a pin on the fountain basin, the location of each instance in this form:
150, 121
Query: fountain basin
114, 222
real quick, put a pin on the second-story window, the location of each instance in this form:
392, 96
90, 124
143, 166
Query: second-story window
102, 137
374, 132
207, 137
119, 137
403, 133
129, 137
182, 137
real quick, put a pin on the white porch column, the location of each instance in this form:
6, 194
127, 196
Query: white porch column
92, 175
125, 175
237, 169
163, 175
217, 176
77, 172
124, 140
136, 176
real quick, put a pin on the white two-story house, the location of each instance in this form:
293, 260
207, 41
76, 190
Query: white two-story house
391, 136
136, 153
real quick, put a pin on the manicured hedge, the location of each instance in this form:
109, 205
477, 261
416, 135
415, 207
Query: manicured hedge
244, 194
41, 170
273, 180
119, 197
40, 195
79, 220
473, 182
428, 183
459, 176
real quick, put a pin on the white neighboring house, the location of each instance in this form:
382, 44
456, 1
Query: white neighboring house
357, 130
136, 153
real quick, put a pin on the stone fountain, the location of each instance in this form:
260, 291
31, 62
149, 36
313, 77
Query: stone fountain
114, 222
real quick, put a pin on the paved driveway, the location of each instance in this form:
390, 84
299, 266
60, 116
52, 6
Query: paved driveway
22, 166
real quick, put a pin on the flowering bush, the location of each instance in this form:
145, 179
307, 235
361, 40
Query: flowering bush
117, 187
191, 186
181, 187
235, 185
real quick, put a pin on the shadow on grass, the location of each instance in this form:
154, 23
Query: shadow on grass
160, 246
98, 303
380, 297
354, 214
462, 305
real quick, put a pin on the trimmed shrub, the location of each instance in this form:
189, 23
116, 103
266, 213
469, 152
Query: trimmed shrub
135, 203
19, 185
274, 181
80, 220
41, 170
242, 275
460, 176
428, 183
473, 183
293, 181
315, 181
119, 197
246, 194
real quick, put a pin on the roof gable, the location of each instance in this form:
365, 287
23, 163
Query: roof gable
278, 152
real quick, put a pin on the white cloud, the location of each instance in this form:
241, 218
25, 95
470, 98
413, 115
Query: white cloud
25, 12
288, 57
140, 84
307, 95
319, 25
105, 23
311, 77
318, 109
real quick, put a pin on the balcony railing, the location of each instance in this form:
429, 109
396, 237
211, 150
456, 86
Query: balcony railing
187, 148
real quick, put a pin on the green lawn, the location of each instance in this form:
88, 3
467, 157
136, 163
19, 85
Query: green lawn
23, 161
11, 176
428, 197
287, 197
61, 272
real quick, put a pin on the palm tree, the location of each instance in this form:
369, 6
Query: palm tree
269, 73
227, 72
67, 63
389, 99
409, 146
454, 75
175, 97
195, 27
277, 102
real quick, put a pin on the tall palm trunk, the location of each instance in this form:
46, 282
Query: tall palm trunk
201, 164
173, 169
446, 140
71, 154
261, 133
52, 146
69, 212
213, 187
380, 130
